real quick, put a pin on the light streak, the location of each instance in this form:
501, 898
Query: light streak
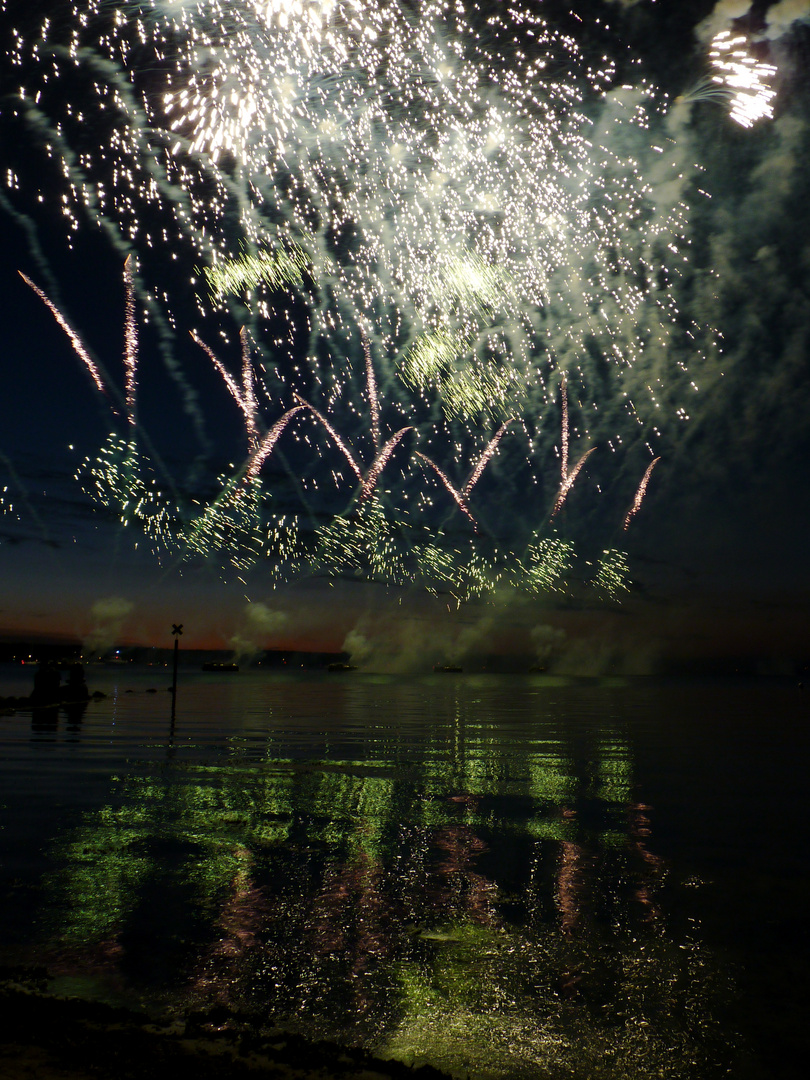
373, 399
379, 463
402, 173
489, 450
341, 445
457, 497
563, 430
244, 396
251, 405
568, 482
75, 340
640, 493
566, 479
267, 444
743, 79
130, 343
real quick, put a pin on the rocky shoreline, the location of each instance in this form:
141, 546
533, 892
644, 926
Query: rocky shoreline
57, 1038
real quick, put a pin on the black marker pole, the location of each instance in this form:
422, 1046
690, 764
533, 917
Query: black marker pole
177, 630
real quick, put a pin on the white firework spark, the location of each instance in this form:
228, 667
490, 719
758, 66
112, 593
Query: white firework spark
742, 79
404, 181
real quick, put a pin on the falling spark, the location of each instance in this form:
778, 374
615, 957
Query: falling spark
130, 342
265, 448
244, 397
341, 445
75, 340
483, 461
373, 399
457, 497
642, 488
743, 79
379, 463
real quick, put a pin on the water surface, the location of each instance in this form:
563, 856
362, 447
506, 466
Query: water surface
502, 876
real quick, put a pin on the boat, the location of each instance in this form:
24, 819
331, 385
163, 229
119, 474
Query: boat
447, 667
337, 666
213, 666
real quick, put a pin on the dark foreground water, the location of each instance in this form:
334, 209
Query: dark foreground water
502, 876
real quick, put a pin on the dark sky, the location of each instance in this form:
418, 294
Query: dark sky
716, 554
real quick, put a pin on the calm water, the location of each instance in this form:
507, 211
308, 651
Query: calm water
502, 876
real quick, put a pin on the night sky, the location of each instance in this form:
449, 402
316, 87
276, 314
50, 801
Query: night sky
717, 553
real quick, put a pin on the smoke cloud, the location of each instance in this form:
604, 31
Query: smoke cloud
396, 644
606, 654
780, 18
108, 615
721, 18
546, 641
390, 644
259, 626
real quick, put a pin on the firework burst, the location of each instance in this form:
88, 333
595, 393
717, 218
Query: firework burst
421, 218
743, 80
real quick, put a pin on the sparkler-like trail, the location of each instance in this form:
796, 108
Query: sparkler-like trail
483, 461
251, 405
269, 441
563, 431
457, 497
566, 479
743, 79
245, 396
568, 482
130, 343
373, 400
341, 445
75, 340
462, 192
640, 493
379, 463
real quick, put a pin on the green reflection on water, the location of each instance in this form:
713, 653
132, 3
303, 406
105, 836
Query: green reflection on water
486, 905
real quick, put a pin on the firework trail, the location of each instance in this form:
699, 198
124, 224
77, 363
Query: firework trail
457, 497
130, 343
568, 482
341, 445
566, 479
245, 396
432, 180
742, 79
75, 340
236, 392
379, 463
267, 444
640, 493
563, 430
373, 399
483, 461
248, 388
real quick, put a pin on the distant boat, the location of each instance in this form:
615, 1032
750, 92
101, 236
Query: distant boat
337, 666
213, 666
446, 667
